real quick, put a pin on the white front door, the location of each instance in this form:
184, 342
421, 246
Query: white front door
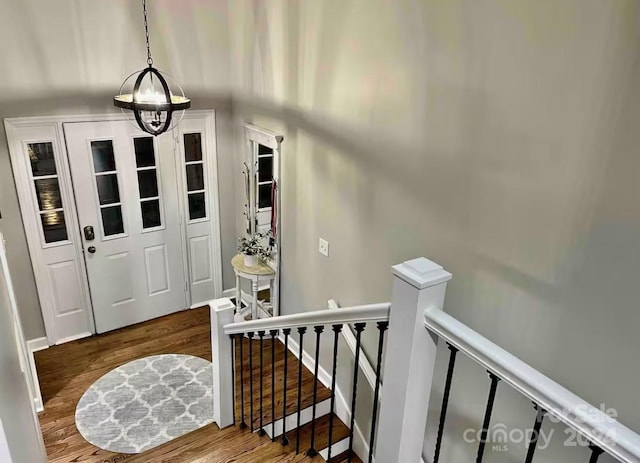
127, 199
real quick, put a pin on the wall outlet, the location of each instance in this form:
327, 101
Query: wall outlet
323, 247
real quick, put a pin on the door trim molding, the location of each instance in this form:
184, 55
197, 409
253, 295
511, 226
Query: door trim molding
28, 213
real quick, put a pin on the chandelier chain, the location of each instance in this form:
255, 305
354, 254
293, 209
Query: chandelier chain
146, 31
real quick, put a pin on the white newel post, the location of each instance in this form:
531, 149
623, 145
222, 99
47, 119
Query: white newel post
409, 362
221, 346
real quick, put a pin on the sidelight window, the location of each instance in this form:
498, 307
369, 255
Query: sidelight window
46, 184
195, 175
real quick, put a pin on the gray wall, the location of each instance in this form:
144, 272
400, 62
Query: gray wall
498, 138
68, 57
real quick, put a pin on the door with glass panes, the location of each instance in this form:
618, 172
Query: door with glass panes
127, 197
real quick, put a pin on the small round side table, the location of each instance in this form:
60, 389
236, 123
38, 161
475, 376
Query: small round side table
256, 274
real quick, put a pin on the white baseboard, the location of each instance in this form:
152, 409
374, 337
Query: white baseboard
74, 337
343, 410
34, 345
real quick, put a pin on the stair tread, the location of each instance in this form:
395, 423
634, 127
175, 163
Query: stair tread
340, 432
344, 458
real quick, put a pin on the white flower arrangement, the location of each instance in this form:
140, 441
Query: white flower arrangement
252, 245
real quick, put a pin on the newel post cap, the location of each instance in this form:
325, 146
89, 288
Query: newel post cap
221, 304
421, 272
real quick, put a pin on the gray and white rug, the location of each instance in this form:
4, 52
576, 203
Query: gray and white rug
147, 402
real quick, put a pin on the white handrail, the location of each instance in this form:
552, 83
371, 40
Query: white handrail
601, 429
361, 313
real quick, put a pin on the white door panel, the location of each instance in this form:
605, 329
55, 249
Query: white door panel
200, 204
125, 189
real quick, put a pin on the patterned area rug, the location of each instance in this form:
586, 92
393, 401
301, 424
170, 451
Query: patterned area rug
147, 402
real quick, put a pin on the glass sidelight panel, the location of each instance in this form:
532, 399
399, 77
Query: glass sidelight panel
47, 191
112, 222
195, 177
54, 227
103, 156
42, 159
192, 147
194, 173
108, 192
197, 207
48, 194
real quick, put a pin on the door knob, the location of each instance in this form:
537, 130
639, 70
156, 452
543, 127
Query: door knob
91, 249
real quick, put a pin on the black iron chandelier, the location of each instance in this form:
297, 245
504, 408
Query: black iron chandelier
151, 96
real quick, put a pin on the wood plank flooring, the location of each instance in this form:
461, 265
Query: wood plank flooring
66, 371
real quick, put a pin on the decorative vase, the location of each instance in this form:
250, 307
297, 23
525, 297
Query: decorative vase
250, 261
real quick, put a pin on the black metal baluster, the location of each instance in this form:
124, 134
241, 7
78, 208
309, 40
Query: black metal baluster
445, 401
533, 444
273, 334
359, 327
261, 431
382, 327
250, 336
243, 424
487, 416
336, 336
595, 453
312, 452
233, 373
284, 440
301, 331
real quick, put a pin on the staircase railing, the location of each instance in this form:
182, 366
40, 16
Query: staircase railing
228, 337
414, 322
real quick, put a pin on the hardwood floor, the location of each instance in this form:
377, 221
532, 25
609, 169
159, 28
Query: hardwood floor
66, 371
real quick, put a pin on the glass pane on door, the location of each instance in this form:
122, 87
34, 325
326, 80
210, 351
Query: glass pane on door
108, 192
112, 222
148, 183
145, 156
151, 213
103, 156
